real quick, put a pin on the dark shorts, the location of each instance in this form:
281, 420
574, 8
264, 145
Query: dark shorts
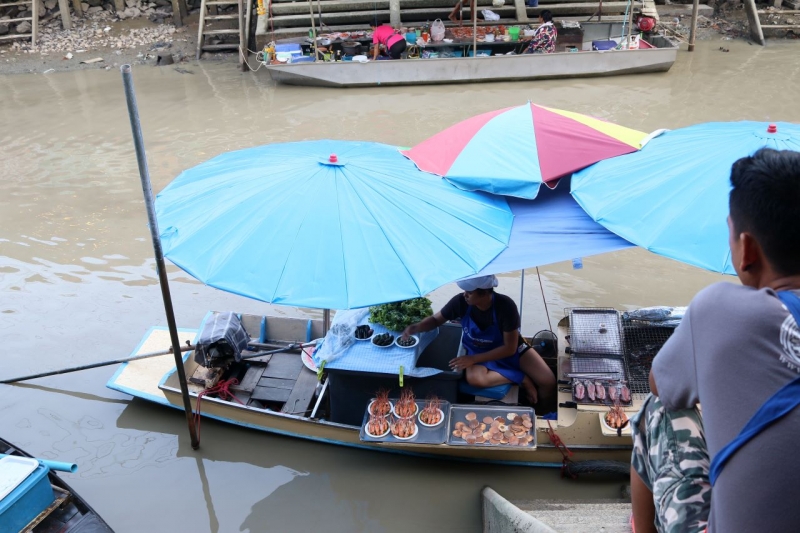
397, 49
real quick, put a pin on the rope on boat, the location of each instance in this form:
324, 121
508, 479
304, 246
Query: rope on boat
556, 441
573, 469
222, 390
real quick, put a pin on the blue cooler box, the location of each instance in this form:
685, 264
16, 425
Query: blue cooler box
27, 500
603, 45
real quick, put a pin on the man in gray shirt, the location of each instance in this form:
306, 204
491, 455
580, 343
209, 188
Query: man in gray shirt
735, 348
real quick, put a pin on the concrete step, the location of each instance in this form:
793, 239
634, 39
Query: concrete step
608, 516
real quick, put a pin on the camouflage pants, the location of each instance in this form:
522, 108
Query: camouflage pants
670, 455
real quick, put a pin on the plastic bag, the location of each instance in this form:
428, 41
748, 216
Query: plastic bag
656, 316
490, 15
341, 336
437, 30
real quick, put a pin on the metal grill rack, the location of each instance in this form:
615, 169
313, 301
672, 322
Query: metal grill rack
595, 332
642, 343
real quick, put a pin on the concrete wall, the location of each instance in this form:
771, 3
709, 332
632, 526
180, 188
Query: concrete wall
502, 516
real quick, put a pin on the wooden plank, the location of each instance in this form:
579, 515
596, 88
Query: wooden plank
270, 394
221, 32
200, 26
284, 366
250, 379
784, 12
302, 393
242, 44
66, 21
76, 6
781, 27
16, 36
34, 22
276, 383
226, 47
755, 23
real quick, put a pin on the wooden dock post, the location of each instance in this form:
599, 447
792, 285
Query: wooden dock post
693, 30
63, 7
394, 13
522, 11
755, 24
76, 6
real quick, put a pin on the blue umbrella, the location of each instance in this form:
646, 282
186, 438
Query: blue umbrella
293, 224
671, 197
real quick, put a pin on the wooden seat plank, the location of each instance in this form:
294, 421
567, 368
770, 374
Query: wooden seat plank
271, 394
276, 383
302, 394
284, 366
250, 379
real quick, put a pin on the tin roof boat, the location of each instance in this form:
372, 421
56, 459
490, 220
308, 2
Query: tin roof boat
278, 394
67, 512
656, 54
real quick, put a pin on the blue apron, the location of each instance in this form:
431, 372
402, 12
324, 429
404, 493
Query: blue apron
776, 407
476, 340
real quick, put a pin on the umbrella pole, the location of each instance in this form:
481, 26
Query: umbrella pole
147, 190
326, 321
521, 293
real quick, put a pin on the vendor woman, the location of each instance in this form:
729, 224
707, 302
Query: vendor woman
394, 43
496, 352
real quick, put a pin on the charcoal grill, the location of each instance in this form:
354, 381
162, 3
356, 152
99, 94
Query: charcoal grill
595, 332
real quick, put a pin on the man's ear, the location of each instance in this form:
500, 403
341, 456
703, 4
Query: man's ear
752, 254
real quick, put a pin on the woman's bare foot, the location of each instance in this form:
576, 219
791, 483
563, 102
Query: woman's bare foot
530, 390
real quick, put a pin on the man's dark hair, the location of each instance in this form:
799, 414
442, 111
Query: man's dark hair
546, 15
765, 202
481, 292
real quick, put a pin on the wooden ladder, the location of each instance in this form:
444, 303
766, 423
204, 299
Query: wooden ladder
208, 12
33, 19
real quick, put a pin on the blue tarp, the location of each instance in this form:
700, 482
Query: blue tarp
550, 229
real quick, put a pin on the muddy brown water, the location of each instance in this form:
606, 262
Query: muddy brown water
78, 283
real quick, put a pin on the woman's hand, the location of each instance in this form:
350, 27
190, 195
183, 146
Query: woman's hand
410, 330
461, 363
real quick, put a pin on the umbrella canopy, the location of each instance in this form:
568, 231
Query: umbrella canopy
672, 196
292, 224
513, 151
549, 229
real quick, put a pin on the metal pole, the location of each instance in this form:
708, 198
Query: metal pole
147, 190
314, 30
473, 5
630, 26
695, 9
521, 292
326, 321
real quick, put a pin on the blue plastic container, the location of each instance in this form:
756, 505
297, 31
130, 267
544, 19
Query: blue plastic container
25, 502
603, 45
481, 52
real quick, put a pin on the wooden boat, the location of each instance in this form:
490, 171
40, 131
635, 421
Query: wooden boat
657, 55
69, 513
301, 407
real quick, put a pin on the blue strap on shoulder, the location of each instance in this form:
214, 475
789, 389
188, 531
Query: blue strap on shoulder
776, 407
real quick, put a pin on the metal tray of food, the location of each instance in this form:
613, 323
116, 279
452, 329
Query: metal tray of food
588, 391
595, 331
425, 435
519, 430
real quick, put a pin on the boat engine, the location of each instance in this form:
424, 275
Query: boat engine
221, 342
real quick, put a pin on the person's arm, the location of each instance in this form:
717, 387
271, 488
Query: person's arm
510, 343
426, 324
375, 50
673, 376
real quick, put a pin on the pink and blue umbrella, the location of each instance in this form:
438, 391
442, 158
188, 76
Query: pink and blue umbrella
513, 151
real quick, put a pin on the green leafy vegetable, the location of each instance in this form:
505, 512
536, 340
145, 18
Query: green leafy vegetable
398, 316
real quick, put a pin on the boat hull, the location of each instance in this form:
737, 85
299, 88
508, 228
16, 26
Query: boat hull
475, 69
155, 380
